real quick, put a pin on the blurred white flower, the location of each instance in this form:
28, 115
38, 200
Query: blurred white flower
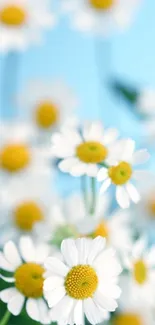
146, 102
144, 212
131, 313
26, 201
22, 21
149, 130
46, 105
64, 221
26, 266
100, 16
18, 155
123, 172
141, 264
82, 152
83, 281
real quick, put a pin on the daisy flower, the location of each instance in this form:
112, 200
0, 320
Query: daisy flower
84, 281
46, 105
21, 22
130, 313
26, 266
26, 201
64, 222
141, 264
100, 16
83, 151
114, 227
122, 172
18, 155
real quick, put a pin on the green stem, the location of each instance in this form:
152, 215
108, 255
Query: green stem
5, 318
104, 165
93, 191
84, 191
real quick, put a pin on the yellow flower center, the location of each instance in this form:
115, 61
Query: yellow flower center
47, 114
29, 280
101, 230
121, 173
12, 15
127, 319
27, 214
81, 282
140, 272
14, 157
151, 207
91, 152
101, 5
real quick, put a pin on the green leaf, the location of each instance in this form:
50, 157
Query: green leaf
129, 93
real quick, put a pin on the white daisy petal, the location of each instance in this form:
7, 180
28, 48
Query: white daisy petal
98, 245
44, 314
141, 175
54, 296
105, 302
11, 254
78, 316
56, 266
139, 247
122, 197
133, 193
93, 313
93, 132
79, 169
32, 309
7, 294
150, 258
16, 303
140, 157
128, 150
69, 252
105, 186
27, 249
65, 306
42, 252
102, 174
53, 282
83, 247
110, 136
5, 265
7, 279
66, 164
91, 170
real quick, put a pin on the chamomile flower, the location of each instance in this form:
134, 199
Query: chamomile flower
140, 262
122, 172
130, 313
84, 281
46, 105
21, 22
83, 151
26, 266
26, 201
64, 221
114, 227
18, 155
100, 16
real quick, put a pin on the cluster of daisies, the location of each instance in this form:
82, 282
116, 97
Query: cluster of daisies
85, 256
22, 21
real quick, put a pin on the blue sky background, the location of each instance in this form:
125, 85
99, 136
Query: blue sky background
70, 55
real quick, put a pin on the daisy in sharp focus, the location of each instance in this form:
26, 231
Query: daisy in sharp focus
26, 266
129, 312
83, 151
100, 16
140, 262
123, 172
18, 155
22, 21
46, 105
26, 201
83, 282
